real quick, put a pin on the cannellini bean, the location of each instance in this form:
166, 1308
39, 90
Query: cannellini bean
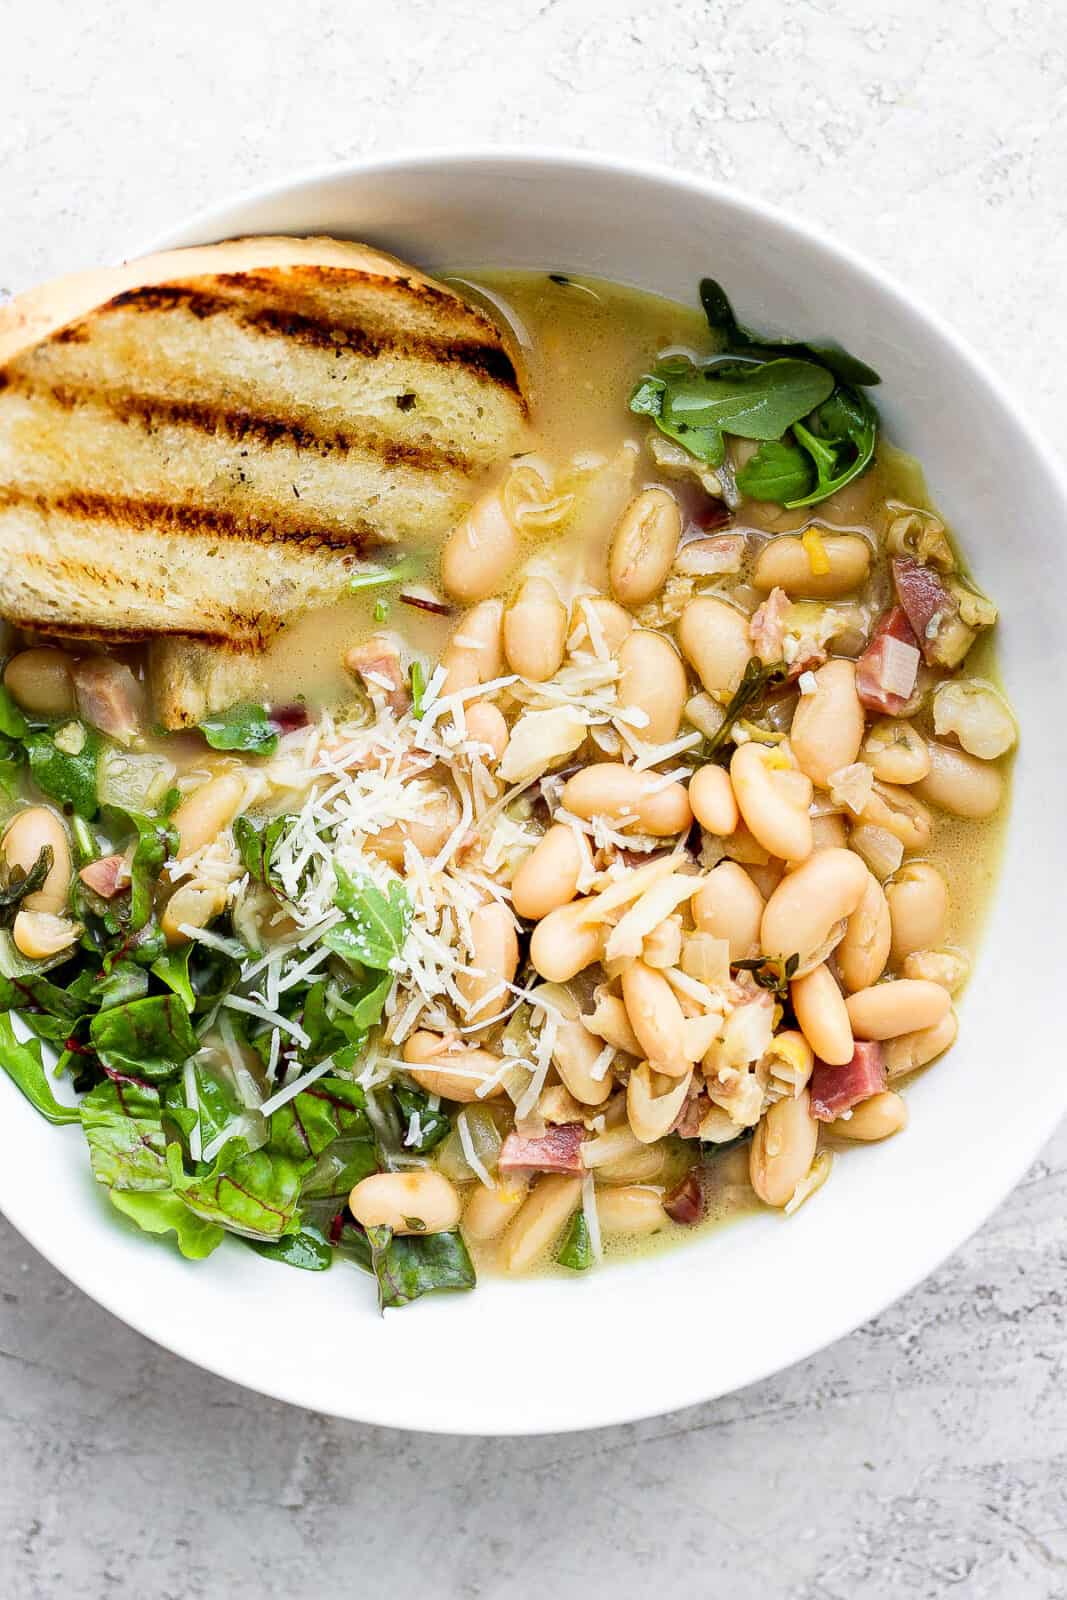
652, 680
961, 784
783, 1148
977, 715
864, 950
475, 652
28, 833
773, 799
630, 1210
480, 552
949, 968
643, 546
653, 1102
564, 942
783, 563
428, 832
895, 752
192, 905
489, 1211
575, 1055
406, 1202
714, 639
911, 1051
548, 878
40, 934
550, 1204
610, 1022
614, 621
809, 902
42, 682
495, 954
828, 725
711, 795
729, 906
535, 631
204, 814
823, 1015
644, 1166
918, 906
829, 832
902, 1006
454, 1074
656, 1018
877, 1118
899, 813
632, 799
486, 725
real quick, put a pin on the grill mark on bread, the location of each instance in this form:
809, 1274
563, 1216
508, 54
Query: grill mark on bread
254, 634
241, 425
162, 517
485, 361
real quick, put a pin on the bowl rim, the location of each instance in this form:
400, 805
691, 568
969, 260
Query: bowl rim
209, 223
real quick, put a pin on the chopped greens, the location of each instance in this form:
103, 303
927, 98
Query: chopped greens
378, 577
409, 1265
63, 761
576, 1249
802, 402
22, 1061
248, 727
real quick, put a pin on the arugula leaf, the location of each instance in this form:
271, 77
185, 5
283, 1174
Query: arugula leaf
846, 368
308, 1249
157, 840
246, 727
146, 1039
123, 1128
254, 1194
68, 776
376, 924
576, 1251
22, 1062
13, 724
778, 471
163, 1211
317, 1116
409, 1265
256, 846
748, 399
433, 1125
840, 438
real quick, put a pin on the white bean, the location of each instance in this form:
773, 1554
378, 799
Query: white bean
783, 1148
406, 1202
823, 1015
773, 799
961, 784
828, 725
918, 905
535, 630
904, 1005
643, 546
714, 639
652, 681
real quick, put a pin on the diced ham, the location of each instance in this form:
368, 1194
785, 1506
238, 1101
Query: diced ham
767, 627
109, 697
558, 1149
933, 611
106, 877
887, 669
685, 1202
377, 662
837, 1089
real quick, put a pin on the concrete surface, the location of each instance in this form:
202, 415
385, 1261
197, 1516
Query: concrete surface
925, 1455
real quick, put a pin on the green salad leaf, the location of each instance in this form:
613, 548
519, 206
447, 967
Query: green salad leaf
256, 843
63, 762
779, 471
146, 1039
23, 1063
409, 1265
376, 924
840, 438
253, 1193
309, 1249
123, 982
246, 727
576, 1250
123, 1127
309, 1123
13, 724
162, 1211
429, 1127
846, 368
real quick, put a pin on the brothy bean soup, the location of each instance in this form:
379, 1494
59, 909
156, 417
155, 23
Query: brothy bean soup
598, 873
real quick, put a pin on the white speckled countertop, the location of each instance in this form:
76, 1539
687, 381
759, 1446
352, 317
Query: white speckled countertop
925, 1455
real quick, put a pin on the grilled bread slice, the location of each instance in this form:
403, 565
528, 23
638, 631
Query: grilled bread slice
200, 444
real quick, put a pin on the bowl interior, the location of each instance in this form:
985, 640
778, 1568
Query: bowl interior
547, 1355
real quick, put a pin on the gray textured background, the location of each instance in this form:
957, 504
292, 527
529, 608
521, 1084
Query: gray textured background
925, 1455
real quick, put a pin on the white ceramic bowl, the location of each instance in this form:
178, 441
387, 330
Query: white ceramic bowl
638, 1339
